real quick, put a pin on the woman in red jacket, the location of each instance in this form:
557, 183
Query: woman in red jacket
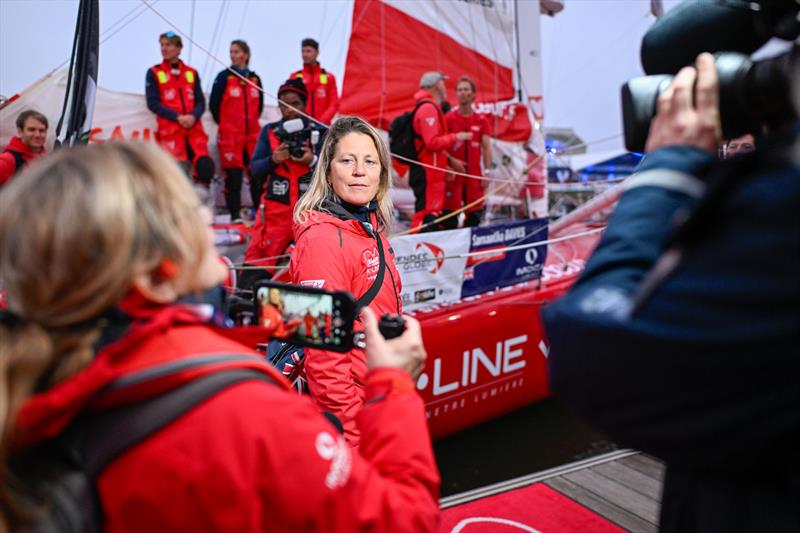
341, 244
93, 320
236, 103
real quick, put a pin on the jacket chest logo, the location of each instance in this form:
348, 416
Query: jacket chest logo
431, 121
235, 92
321, 92
170, 94
372, 262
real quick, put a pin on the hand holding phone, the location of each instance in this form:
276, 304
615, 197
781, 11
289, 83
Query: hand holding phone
406, 352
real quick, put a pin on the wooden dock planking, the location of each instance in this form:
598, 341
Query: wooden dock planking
601, 506
623, 487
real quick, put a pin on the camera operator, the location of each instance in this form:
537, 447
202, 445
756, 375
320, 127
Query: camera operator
680, 337
95, 325
283, 158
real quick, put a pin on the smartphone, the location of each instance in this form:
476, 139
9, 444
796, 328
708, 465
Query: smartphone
306, 316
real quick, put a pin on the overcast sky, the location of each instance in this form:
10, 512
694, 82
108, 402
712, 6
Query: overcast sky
589, 49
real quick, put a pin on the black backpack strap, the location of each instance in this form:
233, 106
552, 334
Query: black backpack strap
370, 295
19, 161
110, 433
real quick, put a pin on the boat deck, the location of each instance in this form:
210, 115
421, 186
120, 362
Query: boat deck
624, 487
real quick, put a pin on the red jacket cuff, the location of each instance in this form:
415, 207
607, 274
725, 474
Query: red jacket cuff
383, 382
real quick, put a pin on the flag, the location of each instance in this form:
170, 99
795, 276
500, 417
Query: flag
78, 109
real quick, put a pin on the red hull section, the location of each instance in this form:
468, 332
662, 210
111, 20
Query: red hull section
488, 356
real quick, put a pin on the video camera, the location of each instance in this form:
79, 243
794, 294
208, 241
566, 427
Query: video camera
751, 93
296, 136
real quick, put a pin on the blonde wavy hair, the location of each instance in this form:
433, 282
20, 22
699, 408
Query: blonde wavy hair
75, 230
320, 188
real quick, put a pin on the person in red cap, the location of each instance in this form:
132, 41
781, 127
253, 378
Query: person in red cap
236, 104
467, 156
283, 158
432, 141
323, 97
174, 94
26, 146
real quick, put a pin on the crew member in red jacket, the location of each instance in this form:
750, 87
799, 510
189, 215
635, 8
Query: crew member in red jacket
323, 97
253, 457
26, 146
341, 235
236, 103
174, 94
467, 156
286, 171
432, 143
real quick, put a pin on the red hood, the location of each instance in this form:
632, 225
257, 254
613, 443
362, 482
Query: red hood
316, 218
168, 334
17, 145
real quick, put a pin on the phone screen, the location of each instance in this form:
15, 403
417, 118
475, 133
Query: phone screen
306, 316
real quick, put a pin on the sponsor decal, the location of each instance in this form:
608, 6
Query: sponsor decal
315, 283
425, 295
485, 373
503, 267
280, 187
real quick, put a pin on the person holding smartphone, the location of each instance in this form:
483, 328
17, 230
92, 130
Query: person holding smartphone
341, 244
94, 323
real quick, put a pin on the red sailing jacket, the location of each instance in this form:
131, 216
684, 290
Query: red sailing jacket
435, 140
176, 93
335, 254
323, 97
254, 457
14, 153
468, 151
239, 108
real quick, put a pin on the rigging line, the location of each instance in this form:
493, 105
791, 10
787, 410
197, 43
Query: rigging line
322, 19
457, 212
516, 59
213, 38
331, 27
494, 54
244, 17
547, 76
341, 48
106, 36
312, 119
191, 30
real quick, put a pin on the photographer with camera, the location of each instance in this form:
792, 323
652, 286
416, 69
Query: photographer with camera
680, 336
283, 159
96, 347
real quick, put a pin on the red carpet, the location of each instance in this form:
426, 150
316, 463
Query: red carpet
533, 509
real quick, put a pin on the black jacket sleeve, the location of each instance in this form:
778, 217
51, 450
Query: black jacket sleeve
217, 93
199, 99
